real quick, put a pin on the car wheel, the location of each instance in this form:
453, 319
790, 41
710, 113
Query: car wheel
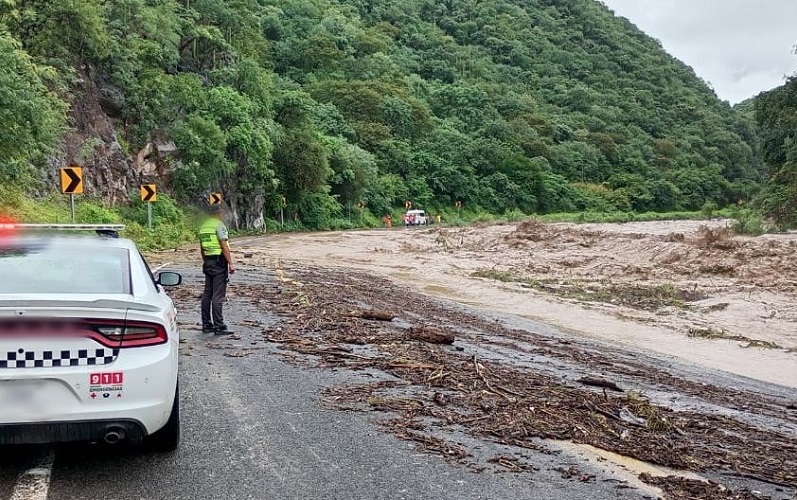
167, 438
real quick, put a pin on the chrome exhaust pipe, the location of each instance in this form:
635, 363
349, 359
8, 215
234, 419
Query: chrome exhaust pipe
114, 435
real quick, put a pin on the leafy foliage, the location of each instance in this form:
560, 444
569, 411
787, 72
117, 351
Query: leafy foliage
508, 106
776, 112
31, 116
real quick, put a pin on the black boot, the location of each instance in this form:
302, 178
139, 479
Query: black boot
222, 330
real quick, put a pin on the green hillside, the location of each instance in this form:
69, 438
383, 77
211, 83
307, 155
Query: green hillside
776, 112
531, 105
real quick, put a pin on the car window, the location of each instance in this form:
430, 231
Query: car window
65, 269
149, 269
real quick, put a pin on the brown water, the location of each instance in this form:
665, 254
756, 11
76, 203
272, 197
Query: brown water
623, 468
752, 282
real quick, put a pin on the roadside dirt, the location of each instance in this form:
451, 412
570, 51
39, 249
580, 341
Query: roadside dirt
688, 289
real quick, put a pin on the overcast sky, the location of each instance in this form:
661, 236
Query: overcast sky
741, 47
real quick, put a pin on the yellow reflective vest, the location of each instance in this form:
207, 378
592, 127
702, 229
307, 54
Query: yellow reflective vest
209, 238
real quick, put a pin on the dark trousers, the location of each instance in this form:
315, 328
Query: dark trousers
216, 277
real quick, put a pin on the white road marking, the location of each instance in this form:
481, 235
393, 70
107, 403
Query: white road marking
161, 267
33, 484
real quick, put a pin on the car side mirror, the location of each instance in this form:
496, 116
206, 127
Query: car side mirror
169, 279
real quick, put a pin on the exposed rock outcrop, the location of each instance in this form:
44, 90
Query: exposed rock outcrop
109, 171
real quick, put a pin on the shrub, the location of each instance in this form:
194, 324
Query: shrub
514, 215
708, 209
748, 222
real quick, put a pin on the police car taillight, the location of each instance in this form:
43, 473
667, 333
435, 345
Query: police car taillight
8, 227
129, 334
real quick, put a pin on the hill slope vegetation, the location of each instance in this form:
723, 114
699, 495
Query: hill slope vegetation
776, 112
505, 105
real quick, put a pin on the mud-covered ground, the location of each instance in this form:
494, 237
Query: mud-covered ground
687, 289
656, 426
670, 420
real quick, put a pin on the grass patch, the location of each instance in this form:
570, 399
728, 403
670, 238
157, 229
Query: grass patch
642, 407
713, 334
470, 217
498, 275
172, 225
613, 217
749, 222
643, 297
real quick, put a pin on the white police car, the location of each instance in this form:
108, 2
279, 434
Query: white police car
88, 340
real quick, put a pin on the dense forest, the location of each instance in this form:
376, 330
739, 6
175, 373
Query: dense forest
776, 112
506, 105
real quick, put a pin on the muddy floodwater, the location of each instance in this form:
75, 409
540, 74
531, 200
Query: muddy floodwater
688, 289
662, 356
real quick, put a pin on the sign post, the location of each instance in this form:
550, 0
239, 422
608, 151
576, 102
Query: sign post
283, 202
149, 194
458, 204
361, 207
72, 184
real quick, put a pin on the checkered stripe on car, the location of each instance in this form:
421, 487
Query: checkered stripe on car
49, 359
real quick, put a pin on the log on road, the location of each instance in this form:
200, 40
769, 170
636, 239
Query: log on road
431, 335
600, 382
374, 314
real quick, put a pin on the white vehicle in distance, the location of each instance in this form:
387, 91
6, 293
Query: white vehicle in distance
88, 340
415, 218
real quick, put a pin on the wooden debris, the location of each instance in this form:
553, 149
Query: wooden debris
681, 487
237, 354
511, 463
373, 314
511, 404
431, 335
600, 382
432, 444
413, 366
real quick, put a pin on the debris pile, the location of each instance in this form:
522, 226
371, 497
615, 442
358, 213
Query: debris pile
435, 381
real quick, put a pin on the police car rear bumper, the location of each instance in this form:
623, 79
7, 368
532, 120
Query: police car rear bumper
130, 431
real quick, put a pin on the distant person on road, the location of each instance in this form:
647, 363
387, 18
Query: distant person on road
217, 266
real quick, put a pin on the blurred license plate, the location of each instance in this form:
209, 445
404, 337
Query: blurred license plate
20, 396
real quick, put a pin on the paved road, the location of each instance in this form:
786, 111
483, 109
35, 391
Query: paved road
255, 427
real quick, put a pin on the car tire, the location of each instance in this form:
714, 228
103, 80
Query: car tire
167, 438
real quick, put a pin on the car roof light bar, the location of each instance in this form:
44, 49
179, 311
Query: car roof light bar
73, 227
111, 230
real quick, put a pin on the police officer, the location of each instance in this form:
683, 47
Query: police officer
217, 265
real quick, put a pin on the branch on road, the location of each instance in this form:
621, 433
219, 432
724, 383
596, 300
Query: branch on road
600, 382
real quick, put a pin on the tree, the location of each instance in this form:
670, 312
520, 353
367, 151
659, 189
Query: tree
31, 116
776, 112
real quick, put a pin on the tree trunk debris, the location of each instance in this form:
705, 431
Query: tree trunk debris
431, 335
374, 314
600, 382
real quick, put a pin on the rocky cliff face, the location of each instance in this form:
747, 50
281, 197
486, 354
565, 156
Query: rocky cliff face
110, 172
